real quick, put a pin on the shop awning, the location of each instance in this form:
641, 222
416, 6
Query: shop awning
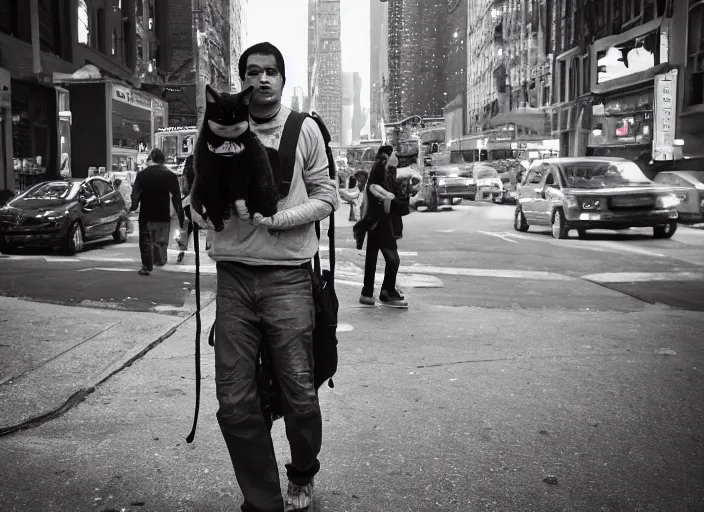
535, 120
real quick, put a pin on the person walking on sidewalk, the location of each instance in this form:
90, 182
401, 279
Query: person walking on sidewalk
152, 189
382, 219
265, 295
184, 236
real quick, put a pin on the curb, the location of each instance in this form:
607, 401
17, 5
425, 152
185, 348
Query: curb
127, 360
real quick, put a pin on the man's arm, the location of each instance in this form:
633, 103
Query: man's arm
322, 190
175, 190
136, 192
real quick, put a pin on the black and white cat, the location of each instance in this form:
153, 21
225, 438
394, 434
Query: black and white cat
233, 170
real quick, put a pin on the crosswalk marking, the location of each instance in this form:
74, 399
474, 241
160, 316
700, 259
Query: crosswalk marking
485, 272
502, 236
643, 277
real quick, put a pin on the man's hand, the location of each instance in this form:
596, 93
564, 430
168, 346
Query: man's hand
241, 210
260, 220
202, 223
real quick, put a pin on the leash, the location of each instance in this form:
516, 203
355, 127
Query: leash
192, 435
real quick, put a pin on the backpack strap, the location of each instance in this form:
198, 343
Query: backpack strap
287, 150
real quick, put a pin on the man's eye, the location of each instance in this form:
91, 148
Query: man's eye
253, 72
272, 72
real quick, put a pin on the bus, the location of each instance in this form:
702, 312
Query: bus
177, 143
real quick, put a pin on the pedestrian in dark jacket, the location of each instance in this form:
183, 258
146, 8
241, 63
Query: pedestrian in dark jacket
151, 190
190, 176
381, 237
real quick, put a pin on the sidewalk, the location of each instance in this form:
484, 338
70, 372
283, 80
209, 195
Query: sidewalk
53, 356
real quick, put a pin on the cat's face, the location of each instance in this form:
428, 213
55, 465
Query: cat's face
227, 115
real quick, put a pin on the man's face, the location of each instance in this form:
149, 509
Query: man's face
262, 74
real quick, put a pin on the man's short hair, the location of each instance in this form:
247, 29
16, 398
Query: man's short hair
157, 156
264, 48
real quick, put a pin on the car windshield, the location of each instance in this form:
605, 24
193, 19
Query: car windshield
603, 175
52, 190
450, 173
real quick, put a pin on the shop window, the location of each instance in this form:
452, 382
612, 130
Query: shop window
131, 127
84, 23
695, 52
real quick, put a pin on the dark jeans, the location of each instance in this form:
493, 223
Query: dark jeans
189, 228
392, 259
153, 242
272, 305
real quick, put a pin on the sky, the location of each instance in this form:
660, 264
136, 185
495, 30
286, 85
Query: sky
284, 23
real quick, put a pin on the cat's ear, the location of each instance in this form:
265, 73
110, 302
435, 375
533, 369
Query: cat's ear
247, 95
210, 95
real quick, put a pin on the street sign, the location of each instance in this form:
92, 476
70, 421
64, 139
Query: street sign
665, 116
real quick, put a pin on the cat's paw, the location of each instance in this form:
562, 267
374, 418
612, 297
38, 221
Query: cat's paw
241, 209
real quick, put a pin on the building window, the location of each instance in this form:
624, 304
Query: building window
695, 52
101, 30
83, 23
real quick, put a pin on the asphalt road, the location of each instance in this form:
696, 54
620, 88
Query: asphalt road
105, 276
520, 379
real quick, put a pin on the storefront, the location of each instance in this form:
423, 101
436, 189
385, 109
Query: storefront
635, 96
115, 124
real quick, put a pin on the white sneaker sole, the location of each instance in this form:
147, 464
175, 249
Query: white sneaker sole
397, 306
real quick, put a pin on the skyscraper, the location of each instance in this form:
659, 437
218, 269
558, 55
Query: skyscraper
379, 66
325, 68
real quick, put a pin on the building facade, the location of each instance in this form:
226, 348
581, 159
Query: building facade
352, 115
455, 72
198, 42
378, 68
326, 64
46, 55
509, 79
102, 75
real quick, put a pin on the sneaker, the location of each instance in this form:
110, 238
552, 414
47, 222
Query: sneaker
144, 271
394, 300
299, 498
179, 258
367, 301
399, 293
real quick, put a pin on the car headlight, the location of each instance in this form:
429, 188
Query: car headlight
668, 201
570, 201
591, 204
441, 182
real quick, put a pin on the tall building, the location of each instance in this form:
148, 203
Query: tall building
298, 99
416, 57
326, 65
378, 67
454, 31
238, 39
352, 116
200, 42
509, 77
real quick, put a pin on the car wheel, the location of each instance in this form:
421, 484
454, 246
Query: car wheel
582, 233
73, 243
120, 234
666, 230
559, 226
519, 220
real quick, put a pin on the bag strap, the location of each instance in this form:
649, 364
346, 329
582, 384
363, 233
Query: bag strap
192, 435
287, 150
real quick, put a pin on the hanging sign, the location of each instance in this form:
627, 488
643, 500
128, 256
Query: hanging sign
665, 116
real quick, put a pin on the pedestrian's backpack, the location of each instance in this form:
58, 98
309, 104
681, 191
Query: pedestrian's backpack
326, 303
325, 298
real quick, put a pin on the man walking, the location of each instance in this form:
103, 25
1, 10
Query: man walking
152, 188
264, 295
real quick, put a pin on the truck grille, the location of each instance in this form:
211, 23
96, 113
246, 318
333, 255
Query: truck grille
631, 203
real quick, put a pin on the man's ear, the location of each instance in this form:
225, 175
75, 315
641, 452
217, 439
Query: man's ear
210, 95
247, 95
